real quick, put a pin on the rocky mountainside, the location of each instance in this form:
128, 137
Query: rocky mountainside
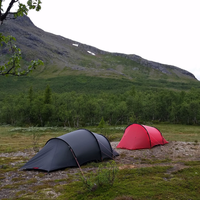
63, 56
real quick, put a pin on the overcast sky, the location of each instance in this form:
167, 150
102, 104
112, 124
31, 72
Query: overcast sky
165, 31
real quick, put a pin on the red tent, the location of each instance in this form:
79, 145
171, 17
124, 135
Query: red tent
137, 136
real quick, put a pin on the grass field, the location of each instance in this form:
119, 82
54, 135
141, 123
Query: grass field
152, 182
12, 138
89, 84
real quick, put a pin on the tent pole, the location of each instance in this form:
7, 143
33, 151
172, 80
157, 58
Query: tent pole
77, 163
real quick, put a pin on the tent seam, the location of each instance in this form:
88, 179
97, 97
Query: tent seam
148, 135
96, 141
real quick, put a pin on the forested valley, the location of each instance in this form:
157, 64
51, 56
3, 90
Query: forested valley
72, 109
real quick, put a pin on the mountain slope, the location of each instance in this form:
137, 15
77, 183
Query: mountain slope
63, 56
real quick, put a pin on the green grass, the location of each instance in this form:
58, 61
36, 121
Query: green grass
175, 132
158, 182
12, 138
141, 184
88, 84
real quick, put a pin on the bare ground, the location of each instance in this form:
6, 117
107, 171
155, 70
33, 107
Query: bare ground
172, 154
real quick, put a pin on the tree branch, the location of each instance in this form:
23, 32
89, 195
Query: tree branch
4, 15
13, 66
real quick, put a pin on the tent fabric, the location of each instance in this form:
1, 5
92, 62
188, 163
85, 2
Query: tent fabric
70, 150
137, 136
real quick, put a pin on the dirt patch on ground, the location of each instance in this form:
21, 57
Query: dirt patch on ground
12, 183
172, 152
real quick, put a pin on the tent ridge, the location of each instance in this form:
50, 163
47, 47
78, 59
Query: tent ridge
64, 142
96, 141
148, 135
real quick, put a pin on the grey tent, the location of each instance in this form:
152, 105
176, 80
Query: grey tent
71, 150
